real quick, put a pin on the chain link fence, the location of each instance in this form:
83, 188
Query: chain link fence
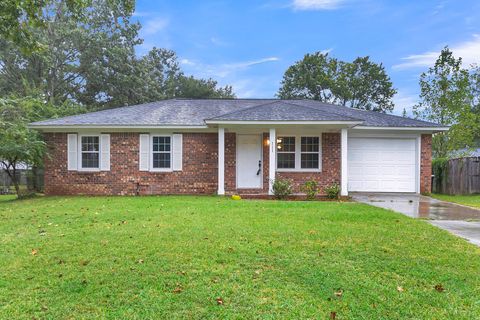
31, 180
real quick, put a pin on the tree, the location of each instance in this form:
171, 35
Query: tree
93, 62
20, 145
448, 97
360, 84
404, 113
18, 19
189, 87
73, 49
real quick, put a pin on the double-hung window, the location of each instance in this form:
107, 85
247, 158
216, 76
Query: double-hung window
286, 153
310, 153
90, 152
299, 153
161, 152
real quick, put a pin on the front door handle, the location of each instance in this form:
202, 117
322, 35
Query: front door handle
259, 167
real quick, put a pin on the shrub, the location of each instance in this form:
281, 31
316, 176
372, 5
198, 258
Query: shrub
311, 189
333, 191
282, 188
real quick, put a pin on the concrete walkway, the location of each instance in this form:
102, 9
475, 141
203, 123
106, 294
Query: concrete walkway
460, 220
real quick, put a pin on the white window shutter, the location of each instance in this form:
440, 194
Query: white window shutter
177, 152
72, 150
105, 152
144, 154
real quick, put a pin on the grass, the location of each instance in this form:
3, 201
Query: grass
472, 200
173, 257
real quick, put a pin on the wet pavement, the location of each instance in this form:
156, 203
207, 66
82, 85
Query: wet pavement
460, 220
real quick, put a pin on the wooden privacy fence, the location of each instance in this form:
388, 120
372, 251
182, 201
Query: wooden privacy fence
458, 176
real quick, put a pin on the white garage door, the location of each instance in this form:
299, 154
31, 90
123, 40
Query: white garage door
381, 165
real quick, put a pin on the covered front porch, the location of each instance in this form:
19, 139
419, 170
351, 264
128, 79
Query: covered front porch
252, 155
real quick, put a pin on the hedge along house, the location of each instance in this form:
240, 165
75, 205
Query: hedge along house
187, 146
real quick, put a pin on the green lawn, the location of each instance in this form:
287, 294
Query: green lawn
173, 257
468, 200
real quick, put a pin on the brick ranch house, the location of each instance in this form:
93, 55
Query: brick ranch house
207, 146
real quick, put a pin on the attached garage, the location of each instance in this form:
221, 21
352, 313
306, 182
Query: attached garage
382, 164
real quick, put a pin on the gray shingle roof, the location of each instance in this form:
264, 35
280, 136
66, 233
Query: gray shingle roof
194, 112
281, 110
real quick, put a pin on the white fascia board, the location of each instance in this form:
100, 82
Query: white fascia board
437, 129
107, 127
282, 122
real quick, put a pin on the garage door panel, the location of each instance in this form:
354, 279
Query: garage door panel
381, 165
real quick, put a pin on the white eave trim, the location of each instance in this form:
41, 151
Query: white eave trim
402, 128
281, 122
106, 127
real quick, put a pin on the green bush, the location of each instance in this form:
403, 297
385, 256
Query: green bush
333, 191
282, 188
311, 189
440, 173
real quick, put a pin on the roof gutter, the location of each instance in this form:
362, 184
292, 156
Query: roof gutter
88, 126
281, 122
435, 129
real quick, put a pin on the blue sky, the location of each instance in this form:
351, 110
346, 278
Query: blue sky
250, 44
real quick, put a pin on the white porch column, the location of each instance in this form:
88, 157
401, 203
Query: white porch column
344, 167
221, 161
272, 160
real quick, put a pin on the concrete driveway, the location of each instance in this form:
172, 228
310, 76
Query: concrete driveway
460, 220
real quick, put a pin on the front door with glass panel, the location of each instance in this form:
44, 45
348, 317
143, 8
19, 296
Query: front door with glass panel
249, 161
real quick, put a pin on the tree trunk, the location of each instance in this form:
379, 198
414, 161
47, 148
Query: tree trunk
13, 176
34, 185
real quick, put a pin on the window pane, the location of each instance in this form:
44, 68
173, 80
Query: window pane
286, 160
90, 160
161, 160
90, 143
309, 161
310, 144
161, 144
286, 144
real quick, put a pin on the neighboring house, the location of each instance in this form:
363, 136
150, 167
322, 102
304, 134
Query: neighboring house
185, 146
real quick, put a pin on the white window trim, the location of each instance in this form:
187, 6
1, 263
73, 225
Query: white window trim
79, 147
298, 153
152, 169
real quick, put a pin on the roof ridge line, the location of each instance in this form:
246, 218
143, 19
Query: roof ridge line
313, 108
248, 108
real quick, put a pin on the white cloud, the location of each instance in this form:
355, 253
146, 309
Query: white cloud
234, 74
218, 42
325, 51
225, 69
187, 62
153, 26
317, 4
468, 51
404, 100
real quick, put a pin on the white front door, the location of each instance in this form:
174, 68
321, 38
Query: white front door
382, 165
249, 161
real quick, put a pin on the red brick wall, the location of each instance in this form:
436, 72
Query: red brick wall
331, 166
200, 165
426, 164
199, 174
